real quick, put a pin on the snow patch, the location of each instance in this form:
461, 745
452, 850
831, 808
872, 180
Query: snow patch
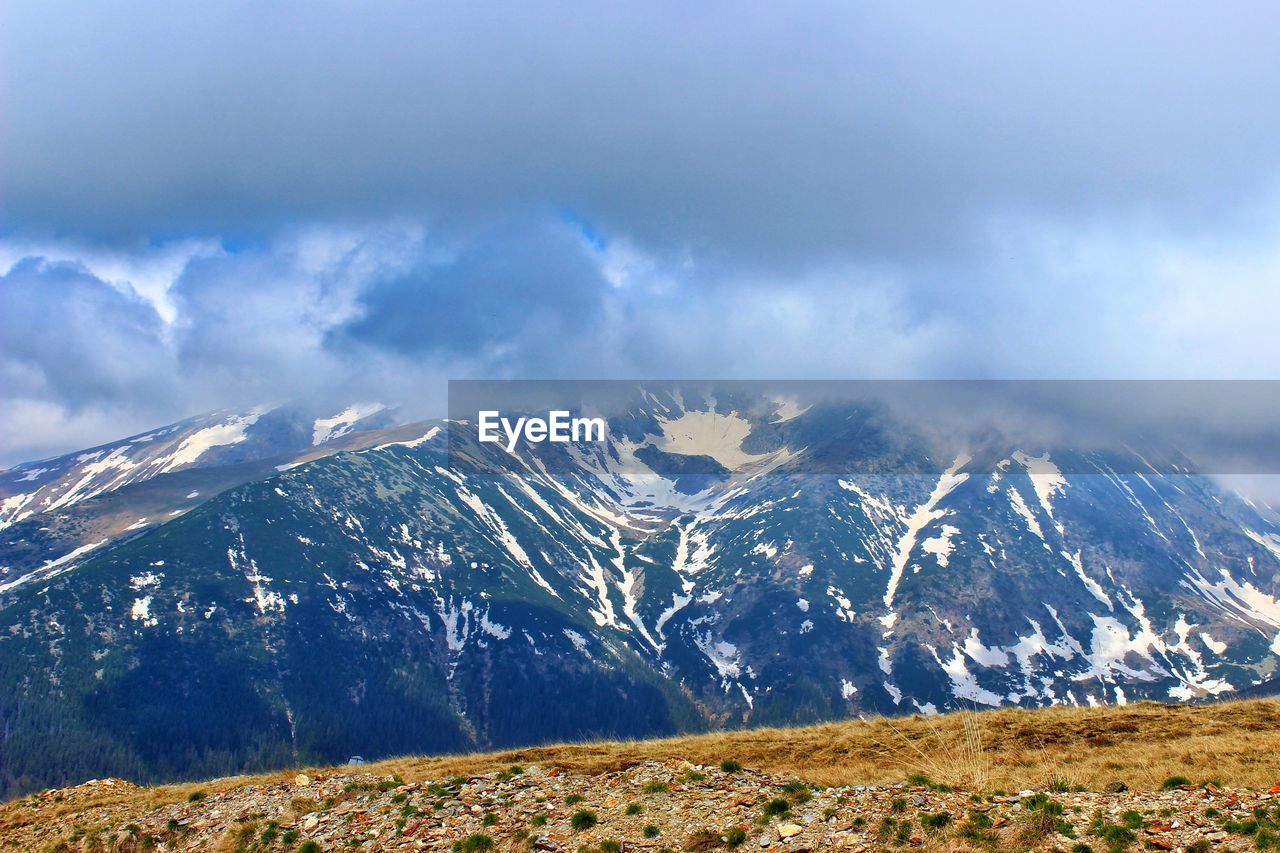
713, 434
413, 442
1211, 644
924, 514
327, 429
940, 546
141, 611
1046, 478
145, 580
201, 441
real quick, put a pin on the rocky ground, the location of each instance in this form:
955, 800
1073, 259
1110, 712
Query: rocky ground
651, 806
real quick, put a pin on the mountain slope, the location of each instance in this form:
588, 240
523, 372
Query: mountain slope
437, 593
55, 511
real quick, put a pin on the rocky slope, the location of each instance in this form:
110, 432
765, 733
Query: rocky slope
672, 806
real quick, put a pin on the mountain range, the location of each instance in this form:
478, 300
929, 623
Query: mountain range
265, 588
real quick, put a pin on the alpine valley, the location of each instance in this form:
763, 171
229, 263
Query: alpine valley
248, 590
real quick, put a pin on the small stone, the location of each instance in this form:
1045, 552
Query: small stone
1115, 788
788, 830
310, 823
302, 779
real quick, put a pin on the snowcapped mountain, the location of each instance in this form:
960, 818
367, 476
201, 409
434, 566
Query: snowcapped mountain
714, 563
57, 510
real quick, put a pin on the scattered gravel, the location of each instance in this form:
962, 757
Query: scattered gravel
649, 806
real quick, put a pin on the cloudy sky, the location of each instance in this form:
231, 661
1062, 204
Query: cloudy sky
217, 204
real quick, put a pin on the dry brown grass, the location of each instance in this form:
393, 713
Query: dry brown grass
1237, 744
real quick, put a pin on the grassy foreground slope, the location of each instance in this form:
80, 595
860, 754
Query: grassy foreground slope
1234, 744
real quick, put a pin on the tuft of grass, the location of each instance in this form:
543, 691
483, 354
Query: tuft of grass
299, 806
797, 792
922, 780
978, 829
634, 809
1043, 819
195, 796
656, 788
1043, 803
1264, 826
1174, 782
734, 836
310, 847
474, 844
1116, 837
573, 799
651, 831
584, 819
702, 839
957, 754
730, 766
610, 846
777, 808
935, 822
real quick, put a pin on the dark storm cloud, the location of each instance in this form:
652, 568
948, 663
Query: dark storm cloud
68, 336
532, 283
762, 132
325, 315
242, 202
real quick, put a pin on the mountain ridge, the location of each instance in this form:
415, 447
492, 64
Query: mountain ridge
435, 593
